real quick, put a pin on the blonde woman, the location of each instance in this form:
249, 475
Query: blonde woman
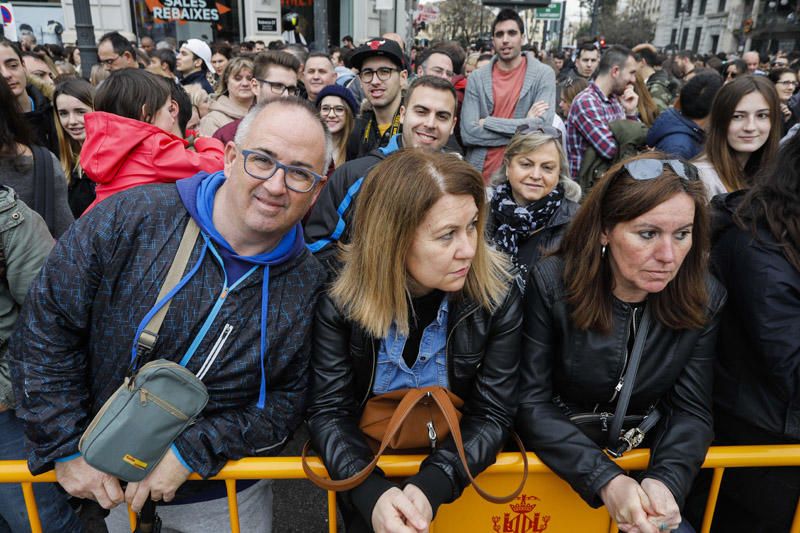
533, 198
422, 300
235, 96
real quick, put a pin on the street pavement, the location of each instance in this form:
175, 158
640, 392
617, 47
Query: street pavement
299, 505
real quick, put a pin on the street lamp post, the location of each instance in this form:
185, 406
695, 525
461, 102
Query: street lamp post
85, 30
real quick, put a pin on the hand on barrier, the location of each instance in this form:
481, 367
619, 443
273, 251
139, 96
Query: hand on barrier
160, 484
395, 513
627, 503
420, 501
538, 109
666, 515
84, 481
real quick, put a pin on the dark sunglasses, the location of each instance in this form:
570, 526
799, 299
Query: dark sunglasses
648, 169
550, 131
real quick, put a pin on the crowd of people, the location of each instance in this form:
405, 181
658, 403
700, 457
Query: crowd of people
597, 249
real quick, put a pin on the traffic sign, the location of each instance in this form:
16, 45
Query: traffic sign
9, 22
551, 12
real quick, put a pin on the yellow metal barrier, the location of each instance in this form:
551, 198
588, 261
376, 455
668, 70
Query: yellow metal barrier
546, 504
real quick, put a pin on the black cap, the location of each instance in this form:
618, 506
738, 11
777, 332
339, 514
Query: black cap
376, 48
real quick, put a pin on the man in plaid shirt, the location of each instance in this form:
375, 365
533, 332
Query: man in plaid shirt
610, 97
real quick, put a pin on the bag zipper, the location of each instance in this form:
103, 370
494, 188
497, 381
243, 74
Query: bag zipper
431, 427
145, 395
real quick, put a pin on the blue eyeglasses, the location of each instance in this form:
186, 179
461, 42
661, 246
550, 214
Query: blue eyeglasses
263, 166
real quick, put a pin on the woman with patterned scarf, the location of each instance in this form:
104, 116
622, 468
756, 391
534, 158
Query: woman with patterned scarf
533, 198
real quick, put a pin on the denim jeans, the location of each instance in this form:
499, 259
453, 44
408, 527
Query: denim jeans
54, 510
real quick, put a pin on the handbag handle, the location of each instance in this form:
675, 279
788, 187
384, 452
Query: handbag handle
411, 398
630, 378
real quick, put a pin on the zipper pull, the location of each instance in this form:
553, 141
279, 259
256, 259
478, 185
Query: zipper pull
619, 385
224, 293
431, 434
604, 421
143, 396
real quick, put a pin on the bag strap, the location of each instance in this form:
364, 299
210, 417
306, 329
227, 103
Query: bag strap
44, 186
149, 335
411, 398
630, 377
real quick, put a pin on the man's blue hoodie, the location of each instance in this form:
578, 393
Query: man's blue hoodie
674, 134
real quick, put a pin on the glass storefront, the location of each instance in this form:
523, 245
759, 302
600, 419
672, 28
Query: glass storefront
209, 20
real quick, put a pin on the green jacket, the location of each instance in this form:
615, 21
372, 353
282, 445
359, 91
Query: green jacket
630, 136
663, 90
25, 243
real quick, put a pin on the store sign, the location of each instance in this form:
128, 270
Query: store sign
189, 10
518, 4
9, 22
266, 25
551, 12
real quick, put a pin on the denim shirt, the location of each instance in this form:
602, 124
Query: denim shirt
430, 368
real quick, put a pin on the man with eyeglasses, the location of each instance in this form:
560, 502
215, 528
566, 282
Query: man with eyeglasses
382, 72
274, 77
514, 89
241, 319
115, 52
429, 119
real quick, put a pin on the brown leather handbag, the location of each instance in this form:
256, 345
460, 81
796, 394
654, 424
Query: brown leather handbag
412, 420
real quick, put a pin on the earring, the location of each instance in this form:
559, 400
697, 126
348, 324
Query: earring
603, 249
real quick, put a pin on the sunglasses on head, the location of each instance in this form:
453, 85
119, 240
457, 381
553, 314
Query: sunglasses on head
550, 131
648, 169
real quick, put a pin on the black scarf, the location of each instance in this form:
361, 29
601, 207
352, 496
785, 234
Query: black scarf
515, 223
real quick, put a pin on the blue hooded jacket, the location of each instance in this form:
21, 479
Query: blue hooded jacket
674, 134
73, 346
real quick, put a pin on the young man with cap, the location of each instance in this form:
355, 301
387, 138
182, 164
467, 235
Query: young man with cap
382, 71
193, 62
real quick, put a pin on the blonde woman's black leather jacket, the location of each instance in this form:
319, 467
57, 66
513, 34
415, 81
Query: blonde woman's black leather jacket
482, 363
583, 367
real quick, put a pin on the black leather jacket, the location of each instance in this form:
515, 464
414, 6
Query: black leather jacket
482, 363
583, 368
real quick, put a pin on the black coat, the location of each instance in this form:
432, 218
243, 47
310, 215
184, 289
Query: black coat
583, 368
482, 361
531, 249
758, 368
42, 120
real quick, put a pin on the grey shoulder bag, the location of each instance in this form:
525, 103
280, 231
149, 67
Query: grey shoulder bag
138, 423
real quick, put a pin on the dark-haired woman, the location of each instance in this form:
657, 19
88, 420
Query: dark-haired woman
631, 269
72, 100
744, 133
19, 166
756, 254
133, 137
422, 300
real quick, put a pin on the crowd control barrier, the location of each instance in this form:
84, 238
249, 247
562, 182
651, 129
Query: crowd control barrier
547, 504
